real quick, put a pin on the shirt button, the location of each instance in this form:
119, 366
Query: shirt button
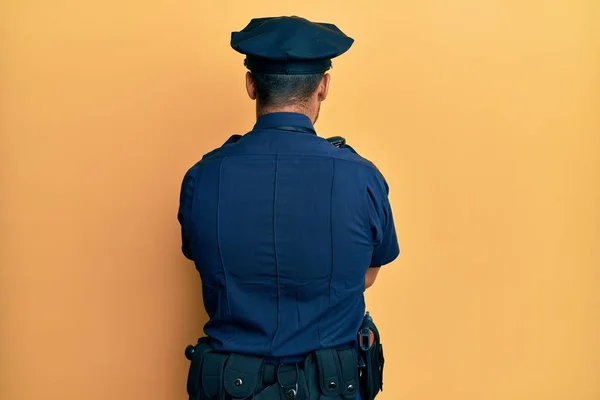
238, 382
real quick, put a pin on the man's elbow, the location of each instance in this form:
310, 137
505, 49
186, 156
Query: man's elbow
370, 277
187, 252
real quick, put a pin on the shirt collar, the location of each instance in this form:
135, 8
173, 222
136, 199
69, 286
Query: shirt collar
283, 119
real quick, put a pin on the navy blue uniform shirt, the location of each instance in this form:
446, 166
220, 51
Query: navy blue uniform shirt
282, 227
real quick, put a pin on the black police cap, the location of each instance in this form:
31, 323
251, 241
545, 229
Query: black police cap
289, 45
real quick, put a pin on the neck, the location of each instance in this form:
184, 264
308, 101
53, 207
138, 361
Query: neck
260, 111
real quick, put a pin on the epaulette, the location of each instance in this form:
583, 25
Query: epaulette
337, 141
231, 140
340, 142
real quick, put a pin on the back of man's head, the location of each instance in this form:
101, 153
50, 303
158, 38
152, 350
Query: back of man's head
288, 58
278, 90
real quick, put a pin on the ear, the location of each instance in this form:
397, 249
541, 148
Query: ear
250, 86
323, 89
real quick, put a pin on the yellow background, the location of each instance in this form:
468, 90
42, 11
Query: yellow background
483, 115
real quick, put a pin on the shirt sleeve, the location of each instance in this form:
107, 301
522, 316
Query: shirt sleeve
186, 201
385, 240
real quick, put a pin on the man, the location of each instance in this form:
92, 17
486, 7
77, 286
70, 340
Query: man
285, 229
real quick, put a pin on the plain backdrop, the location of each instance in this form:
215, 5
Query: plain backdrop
483, 116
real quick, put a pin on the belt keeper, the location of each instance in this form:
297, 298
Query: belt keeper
290, 389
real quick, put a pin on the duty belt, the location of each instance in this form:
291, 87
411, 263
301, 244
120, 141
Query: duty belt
216, 375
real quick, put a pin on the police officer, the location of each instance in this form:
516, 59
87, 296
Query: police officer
286, 230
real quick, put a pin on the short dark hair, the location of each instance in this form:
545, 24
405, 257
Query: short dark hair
284, 90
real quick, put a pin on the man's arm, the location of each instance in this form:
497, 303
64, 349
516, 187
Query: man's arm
371, 276
186, 200
385, 239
